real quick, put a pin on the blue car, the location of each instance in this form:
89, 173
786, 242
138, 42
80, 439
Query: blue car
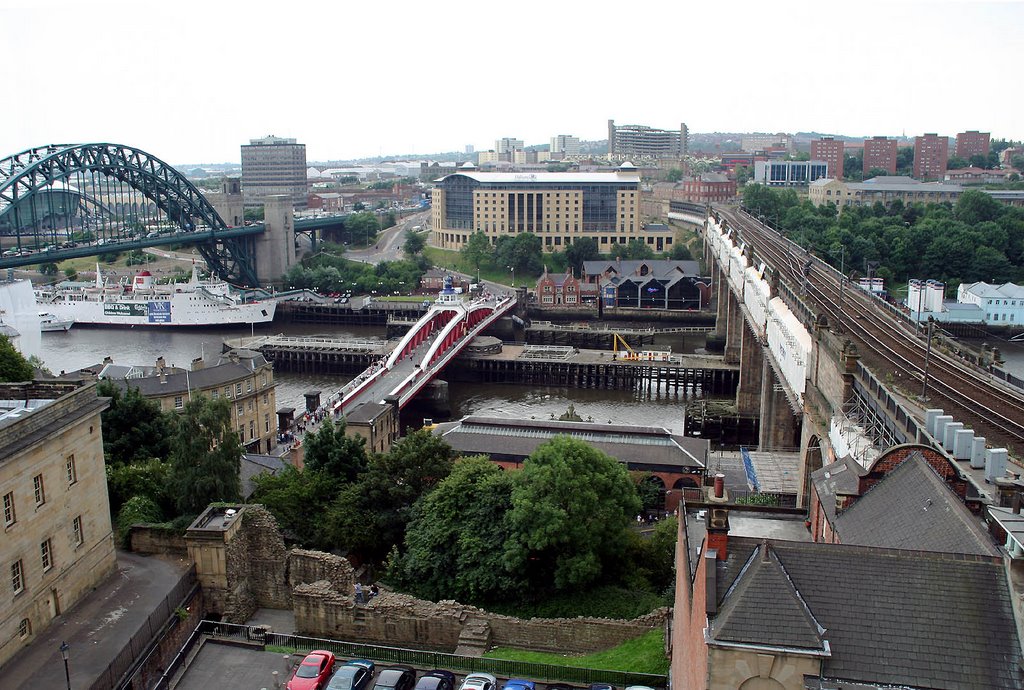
519, 684
355, 675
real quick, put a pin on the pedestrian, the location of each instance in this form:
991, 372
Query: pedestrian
359, 593
374, 590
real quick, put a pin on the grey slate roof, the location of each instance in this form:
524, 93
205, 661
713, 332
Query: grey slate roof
913, 508
890, 617
252, 465
659, 268
224, 371
840, 477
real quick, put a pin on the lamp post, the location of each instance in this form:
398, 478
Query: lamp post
842, 284
65, 651
927, 357
513, 269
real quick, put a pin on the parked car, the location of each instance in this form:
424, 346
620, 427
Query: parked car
479, 681
601, 686
395, 678
562, 686
313, 672
519, 684
365, 663
436, 680
639, 687
351, 676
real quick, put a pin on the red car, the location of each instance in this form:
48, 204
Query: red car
313, 672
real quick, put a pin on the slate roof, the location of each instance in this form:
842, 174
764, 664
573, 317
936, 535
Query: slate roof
659, 268
913, 508
253, 464
224, 371
840, 477
889, 616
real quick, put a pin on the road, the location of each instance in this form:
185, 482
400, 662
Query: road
389, 242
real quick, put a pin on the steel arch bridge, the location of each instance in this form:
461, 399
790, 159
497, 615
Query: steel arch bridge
70, 200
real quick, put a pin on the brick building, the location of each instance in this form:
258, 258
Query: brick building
705, 189
972, 143
564, 290
880, 152
931, 153
830, 150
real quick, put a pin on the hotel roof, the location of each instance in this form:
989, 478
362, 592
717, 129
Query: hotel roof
549, 177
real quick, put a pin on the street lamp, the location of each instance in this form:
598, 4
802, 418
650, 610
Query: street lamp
927, 357
65, 650
513, 269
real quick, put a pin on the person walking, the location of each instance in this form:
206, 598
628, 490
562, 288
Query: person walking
359, 593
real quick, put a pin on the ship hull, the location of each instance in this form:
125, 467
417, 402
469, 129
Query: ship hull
180, 310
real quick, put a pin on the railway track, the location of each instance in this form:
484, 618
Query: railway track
886, 342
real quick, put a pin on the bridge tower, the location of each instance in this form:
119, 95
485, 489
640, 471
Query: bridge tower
228, 201
275, 248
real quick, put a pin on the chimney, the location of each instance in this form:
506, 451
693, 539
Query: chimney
163, 376
108, 360
160, 363
198, 363
1016, 503
718, 531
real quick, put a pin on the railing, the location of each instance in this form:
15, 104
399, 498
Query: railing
421, 659
1008, 378
150, 629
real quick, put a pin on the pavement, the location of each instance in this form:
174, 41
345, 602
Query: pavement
97, 627
389, 242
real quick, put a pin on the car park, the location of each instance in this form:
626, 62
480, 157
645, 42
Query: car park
436, 680
562, 686
479, 681
395, 678
313, 672
351, 676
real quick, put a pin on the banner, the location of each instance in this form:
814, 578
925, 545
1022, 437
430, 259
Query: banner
159, 312
120, 309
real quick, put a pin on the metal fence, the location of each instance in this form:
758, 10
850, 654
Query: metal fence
150, 629
420, 659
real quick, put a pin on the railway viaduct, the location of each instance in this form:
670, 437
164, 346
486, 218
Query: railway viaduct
818, 360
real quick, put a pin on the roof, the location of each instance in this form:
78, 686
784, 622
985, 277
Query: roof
899, 183
366, 412
1006, 290
659, 268
913, 508
515, 439
549, 178
840, 477
208, 377
1011, 522
252, 465
889, 616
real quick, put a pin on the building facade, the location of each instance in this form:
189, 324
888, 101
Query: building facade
559, 208
789, 173
830, 150
752, 143
273, 165
628, 142
880, 153
58, 544
884, 190
244, 377
564, 146
1003, 304
972, 143
563, 290
705, 189
931, 153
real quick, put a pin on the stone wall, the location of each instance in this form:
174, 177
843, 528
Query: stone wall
313, 566
398, 619
148, 540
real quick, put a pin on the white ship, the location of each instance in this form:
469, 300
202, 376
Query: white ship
142, 302
51, 322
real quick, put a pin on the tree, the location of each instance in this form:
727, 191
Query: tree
413, 243
572, 506
674, 175
134, 428
13, 366
254, 214
48, 269
146, 479
975, 206
205, 455
523, 252
298, 500
358, 206
1017, 162
329, 450
453, 545
743, 174
905, 160
70, 274
956, 163
638, 249
680, 252
979, 160
477, 250
877, 172
583, 249
362, 228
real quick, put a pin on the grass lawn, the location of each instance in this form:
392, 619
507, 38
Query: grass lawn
452, 260
644, 654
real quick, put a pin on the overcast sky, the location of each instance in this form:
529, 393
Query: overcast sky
191, 81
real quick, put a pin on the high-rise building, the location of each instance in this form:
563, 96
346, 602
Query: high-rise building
931, 152
972, 143
880, 153
563, 145
469, 149
508, 145
830, 150
753, 143
274, 165
641, 141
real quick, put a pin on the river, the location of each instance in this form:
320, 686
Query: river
84, 347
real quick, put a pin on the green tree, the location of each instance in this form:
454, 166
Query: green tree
205, 455
298, 500
358, 206
136, 510
979, 160
523, 252
1017, 162
583, 249
254, 215
477, 250
572, 507
877, 172
453, 545
48, 269
674, 175
329, 450
413, 243
743, 174
638, 249
905, 160
134, 428
147, 479
13, 366
975, 206
956, 163
362, 228
680, 252
70, 274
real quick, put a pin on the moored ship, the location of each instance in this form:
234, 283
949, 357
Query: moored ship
144, 302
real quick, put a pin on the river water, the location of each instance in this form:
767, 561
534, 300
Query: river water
84, 347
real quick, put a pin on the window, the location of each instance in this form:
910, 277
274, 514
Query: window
241, 409
266, 399
238, 388
241, 433
178, 402
76, 528
24, 628
250, 405
10, 517
266, 423
227, 391
72, 473
17, 581
40, 491
46, 554
248, 386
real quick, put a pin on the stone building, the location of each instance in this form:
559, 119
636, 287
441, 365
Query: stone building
244, 377
57, 543
375, 422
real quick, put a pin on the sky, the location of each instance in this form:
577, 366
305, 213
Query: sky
190, 81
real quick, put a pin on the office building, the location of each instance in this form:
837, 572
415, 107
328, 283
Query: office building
508, 145
564, 146
57, 544
972, 143
931, 152
557, 207
880, 153
789, 173
629, 142
752, 143
884, 190
273, 165
830, 150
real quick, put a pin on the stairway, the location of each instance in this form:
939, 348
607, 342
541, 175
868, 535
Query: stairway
475, 638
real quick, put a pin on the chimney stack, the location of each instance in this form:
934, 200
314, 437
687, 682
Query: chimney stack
718, 531
1016, 503
160, 363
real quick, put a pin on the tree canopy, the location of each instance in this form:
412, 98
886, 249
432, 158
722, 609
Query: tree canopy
583, 249
205, 455
329, 450
134, 428
13, 366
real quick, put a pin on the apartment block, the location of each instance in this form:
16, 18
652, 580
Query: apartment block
830, 150
972, 143
628, 142
931, 153
880, 153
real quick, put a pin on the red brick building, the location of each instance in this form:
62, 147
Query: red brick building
706, 188
830, 150
972, 143
931, 153
880, 152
